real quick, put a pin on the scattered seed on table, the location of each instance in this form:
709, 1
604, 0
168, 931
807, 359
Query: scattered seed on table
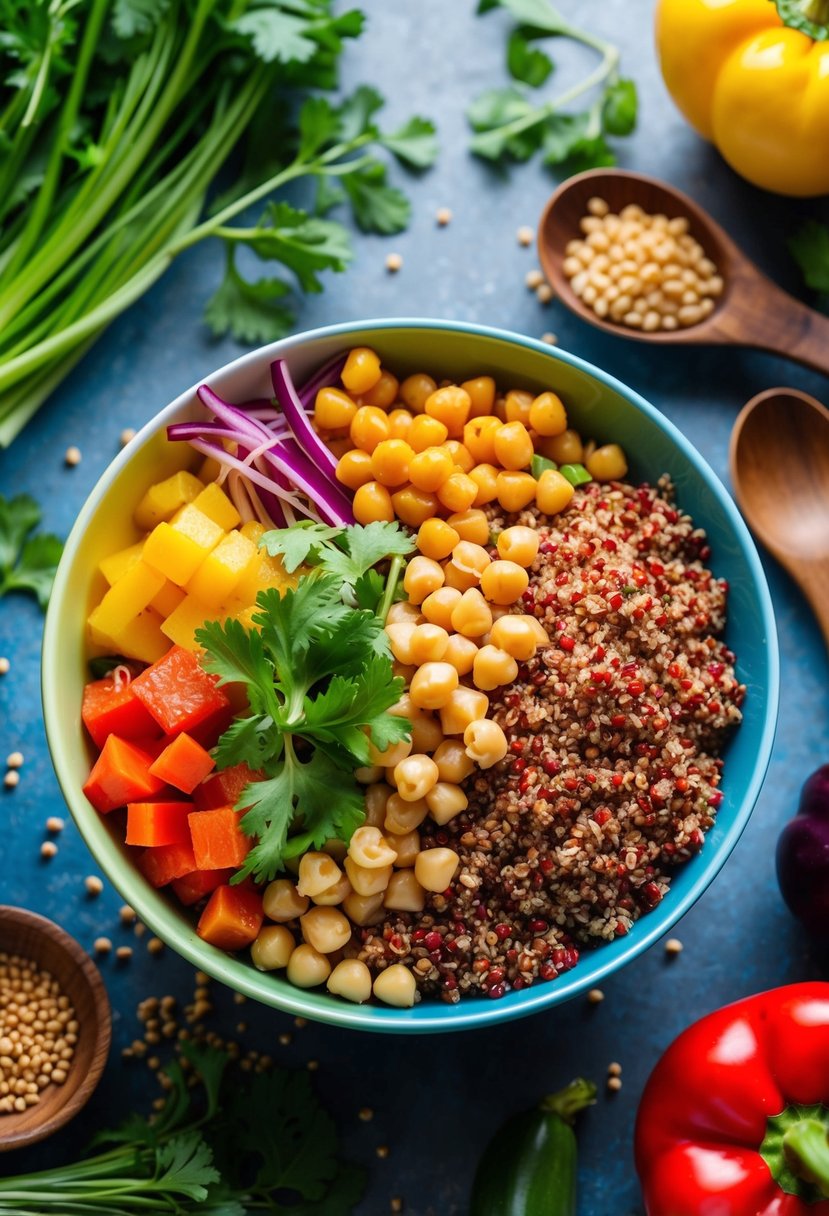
241, 1027
673, 946
155, 945
126, 914
300, 1023
382, 1151
394, 262
139, 929
54, 824
239, 998
525, 235
313, 1065
366, 1114
123, 953
201, 977
14, 760
396, 1204
614, 1084
102, 945
285, 1039
614, 1070
126, 435
550, 339
11, 779
595, 996
93, 885
443, 216
544, 293
72, 456
4, 665
533, 279
48, 849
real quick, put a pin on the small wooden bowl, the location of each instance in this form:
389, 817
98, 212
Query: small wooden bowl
45, 943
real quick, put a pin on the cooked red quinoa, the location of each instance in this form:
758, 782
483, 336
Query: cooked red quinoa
612, 771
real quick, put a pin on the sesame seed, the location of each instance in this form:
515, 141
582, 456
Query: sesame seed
614, 1069
614, 1084
393, 262
11, 779
443, 216
48, 849
126, 435
155, 945
93, 885
14, 760
4, 665
72, 456
126, 914
550, 339
595, 996
123, 953
54, 824
525, 235
365, 1114
102, 945
544, 293
673, 946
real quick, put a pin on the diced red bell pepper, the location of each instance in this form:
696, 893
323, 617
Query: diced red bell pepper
121, 774
178, 693
183, 763
111, 708
232, 918
161, 865
224, 788
190, 888
158, 823
218, 841
208, 732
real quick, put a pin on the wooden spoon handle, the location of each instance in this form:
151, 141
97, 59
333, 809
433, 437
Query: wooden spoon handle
766, 317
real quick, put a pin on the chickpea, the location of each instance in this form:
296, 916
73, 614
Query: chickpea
307, 968
436, 539
438, 607
412, 506
504, 582
554, 492
392, 755
334, 895
404, 893
362, 370
403, 613
470, 558
383, 393
460, 454
493, 667
415, 776
451, 406
368, 774
326, 929
400, 641
514, 490
518, 544
333, 410
458, 492
354, 469
377, 797
481, 393
317, 872
364, 910
366, 882
453, 763
565, 448
426, 432
369, 426
517, 405
464, 706
273, 948
428, 644
472, 616
485, 477
370, 849
460, 652
433, 684
422, 577
479, 438
415, 389
282, 901
406, 847
607, 463
350, 979
372, 503
459, 580
403, 817
547, 415
486, 743
426, 734
396, 986
435, 868
400, 422
516, 635
445, 801
513, 446
428, 470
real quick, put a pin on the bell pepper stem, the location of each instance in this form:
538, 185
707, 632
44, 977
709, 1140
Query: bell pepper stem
567, 1102
816, 10
806, 1146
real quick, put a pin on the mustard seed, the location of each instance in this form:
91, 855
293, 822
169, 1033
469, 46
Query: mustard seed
14, 760
443, 216
48, 849
394, 262
93, 885
4, 665
72, 456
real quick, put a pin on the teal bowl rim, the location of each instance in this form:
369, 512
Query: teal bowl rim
433, 1016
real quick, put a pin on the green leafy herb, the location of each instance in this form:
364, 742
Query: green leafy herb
28, 559
811, 17
230, 1146
117, 119
810, 249
319, 679
509, 125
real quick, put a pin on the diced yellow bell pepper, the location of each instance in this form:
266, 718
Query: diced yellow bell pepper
142, 638
117, 564
219, 573
168, 599
192, 522
181, 625
178, 549
165, 498
123, 602
217, 506
267, 572
253, 530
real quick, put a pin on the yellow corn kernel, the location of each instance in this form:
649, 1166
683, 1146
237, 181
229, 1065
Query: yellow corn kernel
553, 492
607, 463
432, 685
460, 454
566, 448
415, 389
334, 410
422, 577
223, 569
426, 432
479, 438
450, 405
400, 423
517, 406
168, 599
428, 470
492, 668
518, 544
515, 490
141, 638
390, 462
354, 469
428, 644
485, 477
472, 616
181, 625
460, 652
369, 426
453, 763
117, 564
414, 506
122, 603
471, 525
372, 502
362, 370
439, 605
513, 446
547, 415
436, 539
515, 635
163, 499
458, 492
384, 392
504, 582
485, 742
481, 391
215, 504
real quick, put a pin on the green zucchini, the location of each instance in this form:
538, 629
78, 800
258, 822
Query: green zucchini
529, 1167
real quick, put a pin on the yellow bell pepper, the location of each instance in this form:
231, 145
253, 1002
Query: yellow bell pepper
754, 86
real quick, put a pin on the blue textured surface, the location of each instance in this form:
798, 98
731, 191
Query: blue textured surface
438, 1101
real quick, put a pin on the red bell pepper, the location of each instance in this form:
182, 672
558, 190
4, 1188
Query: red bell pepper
110, 707
734, 1120
178, 693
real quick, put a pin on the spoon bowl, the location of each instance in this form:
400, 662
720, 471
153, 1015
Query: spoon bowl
752, 310
779, 461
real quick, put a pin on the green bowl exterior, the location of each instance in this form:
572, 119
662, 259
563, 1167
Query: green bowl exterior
598, 406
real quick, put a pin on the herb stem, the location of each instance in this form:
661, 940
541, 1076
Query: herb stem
395, 569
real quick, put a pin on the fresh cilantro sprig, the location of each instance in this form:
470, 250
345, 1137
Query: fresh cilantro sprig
319, 680
228, 1146
28, 559
810, 248
509, 125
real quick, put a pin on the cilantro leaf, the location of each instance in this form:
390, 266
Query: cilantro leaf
185, 1166
276, 36
297, 544
496, 108
318, 124
377, 207
619, 107
234, 654
303, 243
538, 15
810, 248
27, 562
368, 590
248, 311
525, 62
339, 714
252, 741
133, 17
414, 144
357, 111
361, 548
290, 621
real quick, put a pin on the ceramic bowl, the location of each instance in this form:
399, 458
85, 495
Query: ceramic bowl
598, 405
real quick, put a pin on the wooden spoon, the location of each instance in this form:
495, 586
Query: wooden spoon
752, 311
779, 460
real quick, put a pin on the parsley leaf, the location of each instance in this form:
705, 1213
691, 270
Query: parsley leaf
298, 544
27, 562
346, 553
525, 62
277, 36
377, 207
303, 243
619, 107
248, 311
810, 248
414, 144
